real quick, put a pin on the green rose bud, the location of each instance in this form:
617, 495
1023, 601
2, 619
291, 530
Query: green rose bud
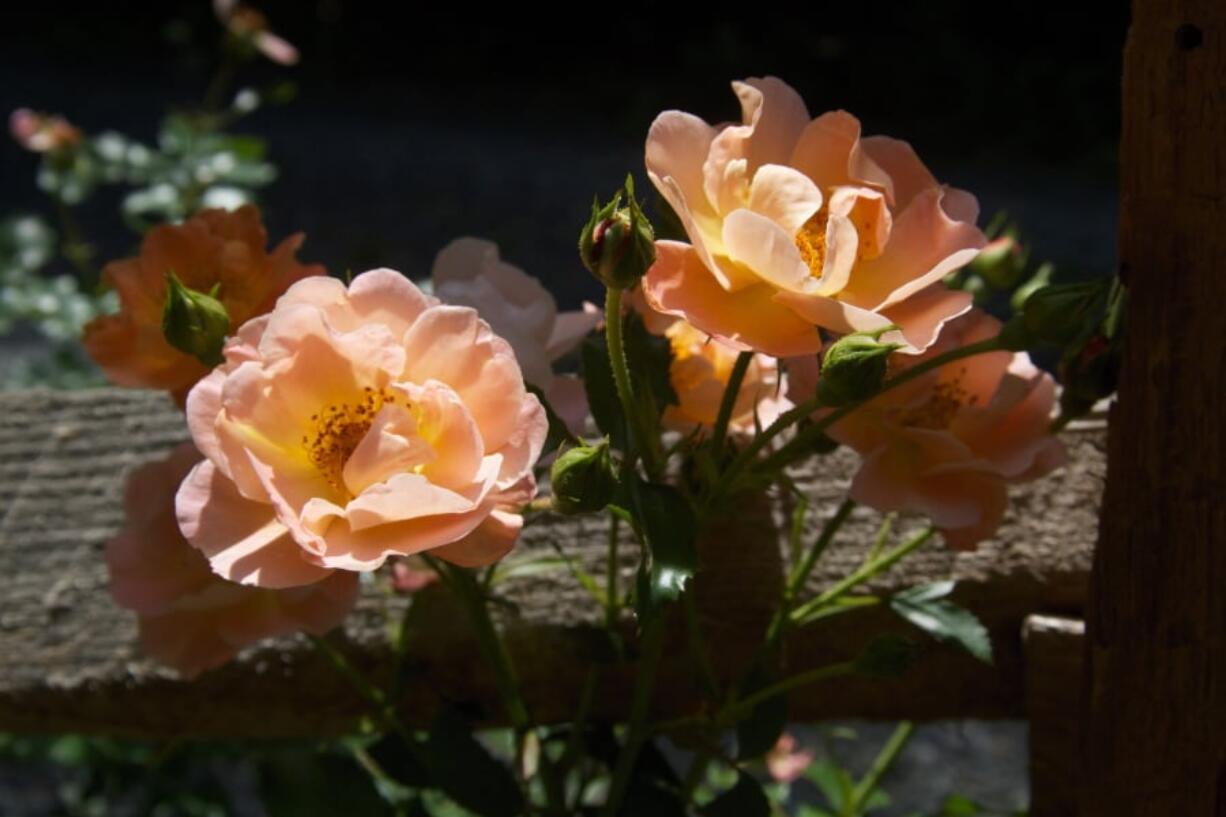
194, 322
854, 367
1001, 262
618, 244
583, 479
1061, 313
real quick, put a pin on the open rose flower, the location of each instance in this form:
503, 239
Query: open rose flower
947, 444
796, 223
468, 272
212, 248
190, 618
355, 423
699, 372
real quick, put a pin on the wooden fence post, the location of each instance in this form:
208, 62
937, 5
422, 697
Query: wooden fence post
1155, 715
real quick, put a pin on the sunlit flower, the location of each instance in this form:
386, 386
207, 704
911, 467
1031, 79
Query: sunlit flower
249, 24
214, 248
190, 618
42, 133
947, 444
797, 224
468, 272
355, 423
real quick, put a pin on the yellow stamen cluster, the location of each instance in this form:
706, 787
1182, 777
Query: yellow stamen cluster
939, 410
338, 429
811, 241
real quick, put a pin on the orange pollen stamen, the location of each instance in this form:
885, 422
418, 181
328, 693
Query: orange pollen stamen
939, 410
811, 241
339, 428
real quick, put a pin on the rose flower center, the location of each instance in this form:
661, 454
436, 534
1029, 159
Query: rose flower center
938, 411
338, 430
811, 241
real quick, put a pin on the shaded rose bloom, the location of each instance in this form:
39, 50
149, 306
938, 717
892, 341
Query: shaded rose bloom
947, 444
355, 423
190, 618
468, 272
249, 24
212, 248
41, 132
785, 762
796, 223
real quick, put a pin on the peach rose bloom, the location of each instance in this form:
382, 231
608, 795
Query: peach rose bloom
190, 618
947, 444
468, 272
213, 247
355, 423
796, 223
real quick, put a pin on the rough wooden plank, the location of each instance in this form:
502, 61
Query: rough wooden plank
1156, 639
70, 660
1054, 663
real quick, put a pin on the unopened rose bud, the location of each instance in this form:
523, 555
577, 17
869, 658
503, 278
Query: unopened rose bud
854, 367
42, 133
618, 244
1061, 313
1001, 262
1088, 374
583, 479
194, 322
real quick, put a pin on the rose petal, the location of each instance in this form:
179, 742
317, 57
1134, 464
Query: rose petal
487, 543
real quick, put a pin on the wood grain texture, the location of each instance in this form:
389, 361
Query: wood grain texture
69, 658
1156, 665
1054, 648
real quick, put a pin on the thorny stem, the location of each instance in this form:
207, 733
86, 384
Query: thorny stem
641, 438
727, 403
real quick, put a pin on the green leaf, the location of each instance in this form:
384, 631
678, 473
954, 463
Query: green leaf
649, 358
957, 805
467, 773
745, 799
601, 390
927, 608
833, 782
399, 762
669, 529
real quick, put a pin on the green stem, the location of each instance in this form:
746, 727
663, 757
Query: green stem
720, 432
491, 645
636, 735
884, 760
803, 570
745, 705
800, 445
640, 436
864, 573
612, 599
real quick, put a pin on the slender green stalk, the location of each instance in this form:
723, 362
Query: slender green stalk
636, 735
884, 760
800, 575
640, 436
720, 433
800, 445
745, 705
862, 574
612, 598
488, 640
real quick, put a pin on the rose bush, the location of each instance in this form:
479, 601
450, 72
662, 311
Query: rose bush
796, 223
191, 618
214, 248
947, 443
355, 423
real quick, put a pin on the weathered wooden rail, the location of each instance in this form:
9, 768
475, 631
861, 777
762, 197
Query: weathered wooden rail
69, 659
